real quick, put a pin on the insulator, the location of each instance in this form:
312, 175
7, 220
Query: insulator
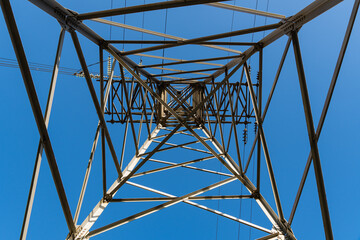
258, 76
255, 127
245, 135
109, 66
249, 69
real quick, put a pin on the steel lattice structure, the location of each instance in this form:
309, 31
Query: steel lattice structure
210, 110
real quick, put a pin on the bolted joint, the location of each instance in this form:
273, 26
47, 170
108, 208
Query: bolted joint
70, 236
67, 21
103, 44
256, 194
259, 46
108, 197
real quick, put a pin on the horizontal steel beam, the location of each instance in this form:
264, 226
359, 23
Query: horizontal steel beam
175, 59
190, 61
159, 34
217, 212
157, 208
206, 38
143, 8
197, 72
246, 10
310, 12
185, 72
69, 21
171, 166
167, 41
164, 199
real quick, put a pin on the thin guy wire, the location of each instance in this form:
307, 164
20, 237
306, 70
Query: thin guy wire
163, 51
252, 35
142, 33
267, 10
124, 29
241, 192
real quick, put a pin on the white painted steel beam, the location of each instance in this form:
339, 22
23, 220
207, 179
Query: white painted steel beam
102, 204
246, 10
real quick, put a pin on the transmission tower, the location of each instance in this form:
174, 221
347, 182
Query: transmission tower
209, 116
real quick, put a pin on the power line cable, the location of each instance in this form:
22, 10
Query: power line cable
165, 30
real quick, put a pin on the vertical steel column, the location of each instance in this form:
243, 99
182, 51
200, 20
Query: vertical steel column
312, 138
327, 102
30, 88
260, 112
40, 146
264, 144
93, 148
94, 98
102, 103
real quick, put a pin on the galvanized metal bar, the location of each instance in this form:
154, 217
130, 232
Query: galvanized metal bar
130, 170
124, 143
235, 130
327, 101
283, 57
181, 165
246, 10
183, 145
199, 61
185, 72
207, 38
273, 236
158, 208
95, 101
143, 95
68, 18
171, 166
208, 118
116, 24
183, 132
169, 41
30, 89
261, 201
39, 153
131, 165
129, 105
178, 70
190, 61
296, 21
103, 155
181, 121
143, 8
312, 139
233, 167
202, 207
269, 100
259, 99
164, 199
264, 144
228, 162
219, 121
164, 135
93, 148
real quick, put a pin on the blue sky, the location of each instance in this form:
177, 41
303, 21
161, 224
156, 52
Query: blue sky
73, 123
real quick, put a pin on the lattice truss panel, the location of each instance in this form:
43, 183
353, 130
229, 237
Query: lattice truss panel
201, 114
